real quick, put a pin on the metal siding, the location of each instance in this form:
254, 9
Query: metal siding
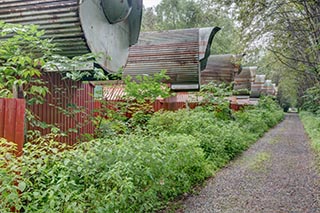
113, 93
77, 26
177, 51
59, 18
12, 113
65, 94
245, 78
221, 69
268, 87
257, 86
2, 111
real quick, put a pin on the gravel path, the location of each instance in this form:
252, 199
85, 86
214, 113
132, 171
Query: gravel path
276, 174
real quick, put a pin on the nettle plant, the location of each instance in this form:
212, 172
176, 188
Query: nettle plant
142, 91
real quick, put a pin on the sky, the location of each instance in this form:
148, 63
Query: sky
151, 3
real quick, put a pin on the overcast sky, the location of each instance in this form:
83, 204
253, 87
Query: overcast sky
151, 3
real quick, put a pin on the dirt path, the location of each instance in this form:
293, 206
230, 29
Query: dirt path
275, 175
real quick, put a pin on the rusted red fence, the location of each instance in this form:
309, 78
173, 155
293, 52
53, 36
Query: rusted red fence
69, 105
12, 113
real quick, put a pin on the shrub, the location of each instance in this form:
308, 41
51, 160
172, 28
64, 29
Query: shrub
137, 172
220, 139
128, 174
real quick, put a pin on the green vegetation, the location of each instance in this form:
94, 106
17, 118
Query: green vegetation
136, 165
136, 172
310, 116
277, 44
22, 55
311, 124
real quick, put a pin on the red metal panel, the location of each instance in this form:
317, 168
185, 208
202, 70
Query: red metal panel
158, 105
68, 96
20, 123
97, 108
2, 117
10, 119
12, 114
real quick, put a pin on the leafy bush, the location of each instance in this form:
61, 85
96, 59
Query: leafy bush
137, 172
9, 177
214, 99
128, 174
19, 62
141, 92
259, 119
220, 139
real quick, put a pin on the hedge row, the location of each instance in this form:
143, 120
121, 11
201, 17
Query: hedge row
138, 172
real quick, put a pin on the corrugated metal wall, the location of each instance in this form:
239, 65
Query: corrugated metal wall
177, 51
12, 112
79, 25
59, 18
257, 86
221, 69
69, 106
245, 79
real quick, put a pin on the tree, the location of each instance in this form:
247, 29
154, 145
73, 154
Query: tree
289, 29
287, 32
149, 20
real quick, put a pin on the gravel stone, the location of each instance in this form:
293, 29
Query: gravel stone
277, 174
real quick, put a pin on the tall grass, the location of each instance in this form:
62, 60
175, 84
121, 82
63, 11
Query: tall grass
311, 124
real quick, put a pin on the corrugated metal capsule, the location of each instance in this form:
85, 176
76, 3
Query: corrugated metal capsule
81, 26
275, 89
268, 88
221, 69
183, 53
243, 80
257, 86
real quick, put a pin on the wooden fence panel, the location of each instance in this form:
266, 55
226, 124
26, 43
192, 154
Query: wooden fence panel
12, 114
